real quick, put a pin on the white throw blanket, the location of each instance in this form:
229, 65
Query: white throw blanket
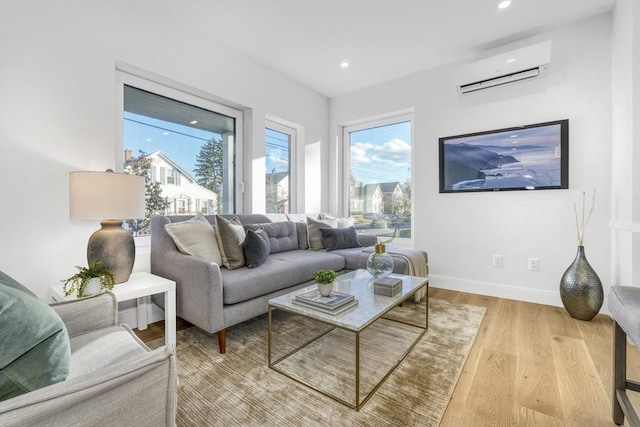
415, 261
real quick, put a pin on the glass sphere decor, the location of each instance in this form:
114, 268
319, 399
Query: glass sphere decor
379, 263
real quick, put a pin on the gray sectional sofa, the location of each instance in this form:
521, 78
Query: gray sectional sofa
214, 298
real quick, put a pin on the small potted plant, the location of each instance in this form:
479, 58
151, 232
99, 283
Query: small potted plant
325, 279
89, 280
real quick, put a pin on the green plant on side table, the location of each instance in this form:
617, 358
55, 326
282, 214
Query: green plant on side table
325, 279
79, 281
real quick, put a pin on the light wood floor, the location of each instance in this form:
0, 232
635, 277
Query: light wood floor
531, 365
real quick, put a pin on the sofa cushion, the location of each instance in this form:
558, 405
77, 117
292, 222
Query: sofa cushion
279, 271
230, 235
339, 238
256, 247
282, 235
195, 237
313, 231
35, 348
102, 348
354, 258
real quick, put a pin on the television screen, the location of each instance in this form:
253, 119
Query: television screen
531, 157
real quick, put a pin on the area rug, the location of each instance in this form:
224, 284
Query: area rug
239, 389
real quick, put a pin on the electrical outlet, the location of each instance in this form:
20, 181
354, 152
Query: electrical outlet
534, 264
497, 261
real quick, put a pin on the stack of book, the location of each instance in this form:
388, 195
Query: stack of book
335, 303
387, 286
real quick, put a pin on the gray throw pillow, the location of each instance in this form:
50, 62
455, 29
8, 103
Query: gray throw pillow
34, 349
256, 247
195, 237
339, 238
282, 235
230, 235
313, 231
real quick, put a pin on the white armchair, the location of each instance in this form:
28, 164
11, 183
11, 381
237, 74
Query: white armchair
114, 379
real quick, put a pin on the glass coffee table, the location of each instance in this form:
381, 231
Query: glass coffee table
351, 352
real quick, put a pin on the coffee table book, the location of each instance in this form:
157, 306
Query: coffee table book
333, 311
313, 297
335, 303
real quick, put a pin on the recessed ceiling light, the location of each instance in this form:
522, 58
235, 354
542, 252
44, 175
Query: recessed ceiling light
344, 64
509, 61
193, 122
504, 4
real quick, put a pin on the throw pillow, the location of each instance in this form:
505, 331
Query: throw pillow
195, 237
35, 345
313, 231
256, 247
342, 222
282, 235
230, 235
339, 238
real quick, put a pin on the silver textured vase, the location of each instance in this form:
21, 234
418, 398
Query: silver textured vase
581, 289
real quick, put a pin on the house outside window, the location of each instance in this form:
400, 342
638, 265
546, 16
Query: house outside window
187, 152
379, 170
279, 143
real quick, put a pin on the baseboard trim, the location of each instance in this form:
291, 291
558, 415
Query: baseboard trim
517, 293
496, 290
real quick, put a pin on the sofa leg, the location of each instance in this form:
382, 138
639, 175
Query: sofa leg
619, 371
222, 341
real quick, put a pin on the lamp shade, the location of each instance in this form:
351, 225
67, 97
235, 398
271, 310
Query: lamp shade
106, 195
109, 197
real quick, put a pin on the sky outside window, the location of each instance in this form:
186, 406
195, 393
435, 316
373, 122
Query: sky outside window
180, 143
276, 151
381, 154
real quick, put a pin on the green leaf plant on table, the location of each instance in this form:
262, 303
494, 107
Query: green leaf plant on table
79, 281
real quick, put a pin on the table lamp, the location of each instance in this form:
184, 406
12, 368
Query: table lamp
115, 196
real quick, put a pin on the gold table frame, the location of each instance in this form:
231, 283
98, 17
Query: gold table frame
357, 404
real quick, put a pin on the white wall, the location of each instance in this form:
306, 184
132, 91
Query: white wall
625, 141
461, 232
58, 111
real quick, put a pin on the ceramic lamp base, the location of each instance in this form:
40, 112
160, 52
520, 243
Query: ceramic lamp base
114, 246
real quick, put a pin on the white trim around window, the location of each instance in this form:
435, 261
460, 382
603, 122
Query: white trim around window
133, 76
373, 122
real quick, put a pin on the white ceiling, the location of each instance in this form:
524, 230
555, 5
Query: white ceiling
382, 39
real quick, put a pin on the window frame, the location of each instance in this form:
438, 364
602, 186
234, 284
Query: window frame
368, 123
131, 76
274, 124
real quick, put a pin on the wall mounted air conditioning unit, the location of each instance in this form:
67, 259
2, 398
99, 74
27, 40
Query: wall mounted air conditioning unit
527, 63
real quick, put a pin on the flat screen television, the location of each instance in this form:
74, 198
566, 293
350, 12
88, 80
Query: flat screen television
531, 157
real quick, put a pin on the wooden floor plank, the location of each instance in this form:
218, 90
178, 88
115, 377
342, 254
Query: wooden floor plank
536, 379
584, 406
491, 398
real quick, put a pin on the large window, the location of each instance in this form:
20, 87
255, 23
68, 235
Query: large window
186, 152
379, 176
279, 143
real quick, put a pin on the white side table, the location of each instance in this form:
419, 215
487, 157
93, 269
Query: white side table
140, 285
